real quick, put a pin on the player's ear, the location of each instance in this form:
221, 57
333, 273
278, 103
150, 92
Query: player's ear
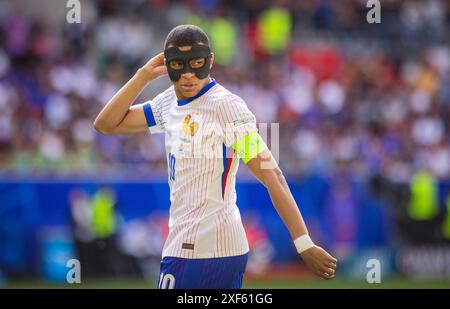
212, 61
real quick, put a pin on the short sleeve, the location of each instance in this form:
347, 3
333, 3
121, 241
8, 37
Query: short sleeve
235, 119
153, 115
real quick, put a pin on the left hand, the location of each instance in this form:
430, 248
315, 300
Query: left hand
320, 262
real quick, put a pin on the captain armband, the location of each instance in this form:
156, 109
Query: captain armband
249, 146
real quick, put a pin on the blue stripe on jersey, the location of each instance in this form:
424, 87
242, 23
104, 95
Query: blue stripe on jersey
213, 273
199, 94
149, 115
226, 167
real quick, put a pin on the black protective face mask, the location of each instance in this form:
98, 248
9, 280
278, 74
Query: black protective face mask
197, 51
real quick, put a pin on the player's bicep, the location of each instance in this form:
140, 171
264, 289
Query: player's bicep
255, 154
264, 167
133, 122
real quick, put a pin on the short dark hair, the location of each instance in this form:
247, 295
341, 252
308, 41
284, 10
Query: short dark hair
186, 35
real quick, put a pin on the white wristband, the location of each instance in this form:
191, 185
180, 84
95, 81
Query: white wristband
303, 243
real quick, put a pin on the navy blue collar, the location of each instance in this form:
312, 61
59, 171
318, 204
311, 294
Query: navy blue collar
199, 94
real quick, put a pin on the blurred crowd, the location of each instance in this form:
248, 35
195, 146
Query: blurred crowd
348, 96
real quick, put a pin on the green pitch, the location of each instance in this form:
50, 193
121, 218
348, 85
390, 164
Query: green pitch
392, 283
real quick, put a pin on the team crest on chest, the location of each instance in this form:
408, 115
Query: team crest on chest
189, 127
190, 130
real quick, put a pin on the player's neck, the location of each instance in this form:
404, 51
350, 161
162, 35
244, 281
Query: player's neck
180, 95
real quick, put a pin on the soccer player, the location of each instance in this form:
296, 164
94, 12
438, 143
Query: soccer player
207, 130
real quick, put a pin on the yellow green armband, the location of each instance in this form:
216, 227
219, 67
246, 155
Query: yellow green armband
250, 146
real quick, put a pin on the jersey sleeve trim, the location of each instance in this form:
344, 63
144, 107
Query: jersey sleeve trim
149, 115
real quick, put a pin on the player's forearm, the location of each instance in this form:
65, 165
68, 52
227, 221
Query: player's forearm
117, 108
285, 205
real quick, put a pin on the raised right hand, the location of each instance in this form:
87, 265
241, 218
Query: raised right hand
154, 68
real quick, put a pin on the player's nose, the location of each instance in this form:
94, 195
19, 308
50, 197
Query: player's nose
187, 75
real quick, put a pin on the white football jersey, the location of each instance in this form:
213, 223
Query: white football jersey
202, 165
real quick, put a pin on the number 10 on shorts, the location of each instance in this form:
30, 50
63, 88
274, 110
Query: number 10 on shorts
166, 281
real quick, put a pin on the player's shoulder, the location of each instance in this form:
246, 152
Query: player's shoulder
223, 96
167, 96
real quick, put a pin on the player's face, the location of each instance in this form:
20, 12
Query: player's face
189, 84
